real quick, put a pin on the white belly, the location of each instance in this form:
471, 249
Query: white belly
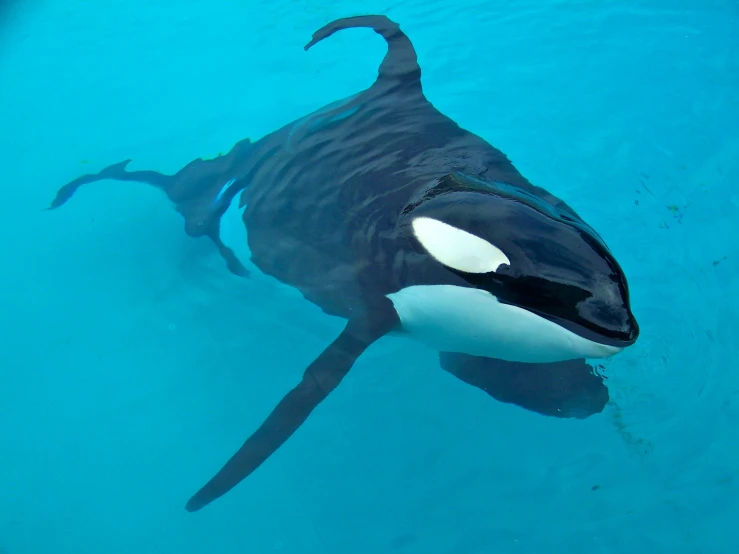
472, 321
233, 231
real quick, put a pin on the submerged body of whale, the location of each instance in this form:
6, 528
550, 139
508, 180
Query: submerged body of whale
383, 211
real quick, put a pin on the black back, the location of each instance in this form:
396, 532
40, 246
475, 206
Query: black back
325, 193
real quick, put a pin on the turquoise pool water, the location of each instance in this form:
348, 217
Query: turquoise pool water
131, 364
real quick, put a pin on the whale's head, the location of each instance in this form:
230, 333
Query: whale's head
529, 279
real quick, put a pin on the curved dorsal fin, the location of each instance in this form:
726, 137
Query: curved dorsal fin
400, 65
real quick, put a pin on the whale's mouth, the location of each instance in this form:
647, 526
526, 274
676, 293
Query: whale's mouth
569, 307
616, 338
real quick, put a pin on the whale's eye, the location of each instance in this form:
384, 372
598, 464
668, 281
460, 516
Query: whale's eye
456, 248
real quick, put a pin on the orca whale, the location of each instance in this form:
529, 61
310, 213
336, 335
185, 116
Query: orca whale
383, 211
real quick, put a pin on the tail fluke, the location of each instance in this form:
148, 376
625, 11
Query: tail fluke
116, 172
201, 191
198, 193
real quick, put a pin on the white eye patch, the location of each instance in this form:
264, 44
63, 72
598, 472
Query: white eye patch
458, 249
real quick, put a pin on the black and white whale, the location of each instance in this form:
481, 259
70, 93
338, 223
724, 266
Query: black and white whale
384, 212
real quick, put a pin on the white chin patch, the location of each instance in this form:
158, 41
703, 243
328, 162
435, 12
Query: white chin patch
472, 321
456, 248
233, 231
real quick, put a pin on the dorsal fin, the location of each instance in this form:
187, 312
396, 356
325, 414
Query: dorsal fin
400, 65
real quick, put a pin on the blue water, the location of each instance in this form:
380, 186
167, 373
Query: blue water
132, 364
